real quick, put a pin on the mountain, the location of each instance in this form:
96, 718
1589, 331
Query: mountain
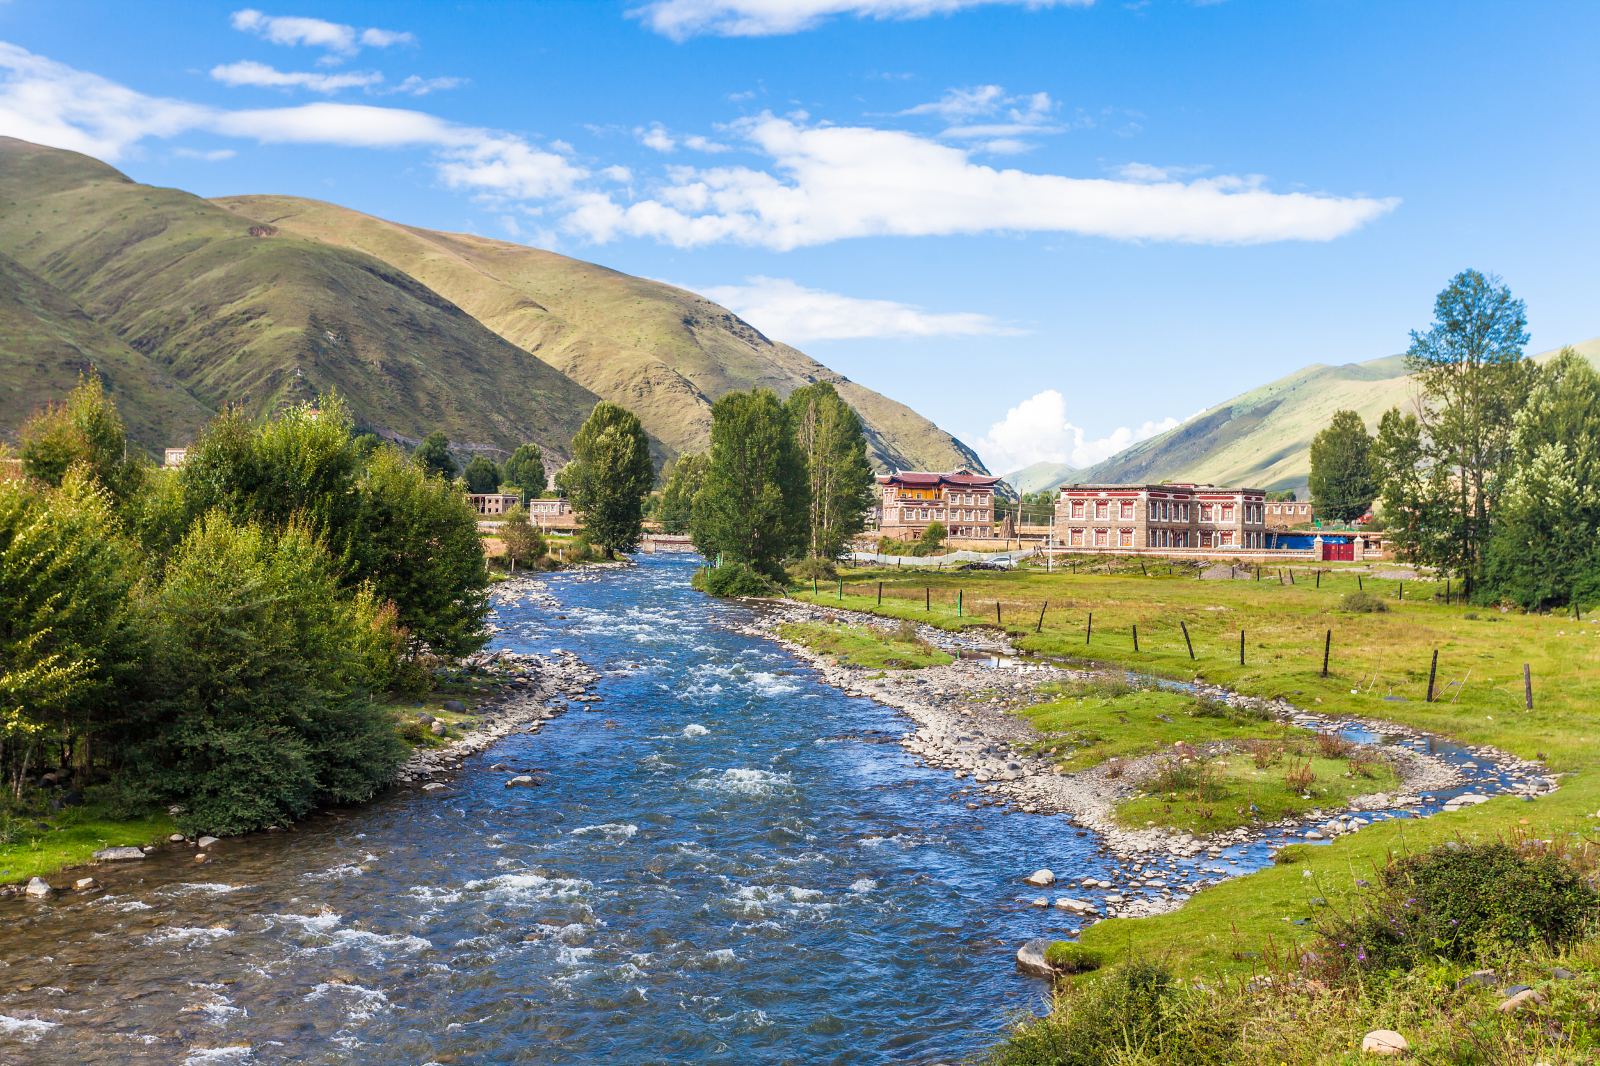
660, 351
1263, 438
1041, 476
236, 313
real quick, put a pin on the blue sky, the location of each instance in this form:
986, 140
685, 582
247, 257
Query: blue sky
1049, 226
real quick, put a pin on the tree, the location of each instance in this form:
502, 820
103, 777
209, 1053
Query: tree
1342, 486
523, 540
482, 475
1413, 495
839, 482
259, 706
419, 548
683, 476
525, 471
752, 506
609, 477
1473, 376
85, 430
933, 536
433, 455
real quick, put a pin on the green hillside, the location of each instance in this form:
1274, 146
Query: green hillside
1263, 437
47, 341
1037, 477
661, 351
242, 314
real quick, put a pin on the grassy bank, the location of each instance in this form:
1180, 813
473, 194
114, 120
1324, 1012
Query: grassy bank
39, 846
1378, 667
865, 646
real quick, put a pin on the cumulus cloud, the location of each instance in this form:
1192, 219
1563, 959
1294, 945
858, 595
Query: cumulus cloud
657, 137
788, 311
828, 183
1037, 430
333, 37
682, 19
260, 75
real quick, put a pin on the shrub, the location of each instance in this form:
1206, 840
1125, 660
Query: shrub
1264, 753
734, 579
1197, 779
1068, 957
813, 569
1465, 903
1363, 603
1333, 746
1300, 776
1135, 1013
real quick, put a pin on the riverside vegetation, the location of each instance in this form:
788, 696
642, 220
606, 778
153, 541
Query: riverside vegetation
217, 639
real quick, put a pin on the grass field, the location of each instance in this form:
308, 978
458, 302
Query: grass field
868, 648
1378, 667
39, 847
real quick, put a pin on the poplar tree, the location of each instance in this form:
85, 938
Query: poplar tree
524, 471
1341, 480
752, 507
684, 476
609, 477
839, 480
482, 475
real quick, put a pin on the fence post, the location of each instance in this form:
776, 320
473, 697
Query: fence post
1400, 594
1291, 577
1136, 636
1360, 585
927, 599
1241, 647
1527, 686
880, 594
1187, 642
1040, 627
1088, 634
958, 603
840, 596
1319, 579
1433, 671
813, 586
1447, 592
1142, 570
1327, 647
997, 613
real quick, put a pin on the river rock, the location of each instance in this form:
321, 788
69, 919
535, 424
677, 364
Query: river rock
454, 705
1031, 960
1076, 906
38, 888
1385, 1043
85, 884
201, 857
206, 842
521, 781
437, 728
1041, 878
1528, 997
434, 786
118, 854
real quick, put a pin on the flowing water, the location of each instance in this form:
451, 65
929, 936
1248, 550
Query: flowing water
728, 862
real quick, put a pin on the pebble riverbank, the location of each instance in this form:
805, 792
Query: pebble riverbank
965, 714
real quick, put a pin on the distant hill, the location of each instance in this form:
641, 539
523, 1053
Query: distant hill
1263, 438
1038, 477
660, 351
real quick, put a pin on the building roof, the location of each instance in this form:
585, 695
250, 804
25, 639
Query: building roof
1165, 486
963, 477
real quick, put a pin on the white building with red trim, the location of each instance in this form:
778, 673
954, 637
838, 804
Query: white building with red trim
1111, 518
910, 500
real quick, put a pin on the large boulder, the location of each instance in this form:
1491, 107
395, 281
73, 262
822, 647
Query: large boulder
38, 888
1041, 878
118, 854
1031, 958
521, 781
1385, 1043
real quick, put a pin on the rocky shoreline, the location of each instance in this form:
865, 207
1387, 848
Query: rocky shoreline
965, 723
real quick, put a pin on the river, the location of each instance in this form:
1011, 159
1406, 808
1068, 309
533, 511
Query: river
728, 862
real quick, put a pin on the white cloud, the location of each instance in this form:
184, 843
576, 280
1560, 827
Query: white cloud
418, 86
315, 33
681, 19
788, 311
248, 72
656, 136
50, 103
215, 155
829, 183
1037, 431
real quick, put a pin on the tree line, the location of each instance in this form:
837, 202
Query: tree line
1493, 475
219, 637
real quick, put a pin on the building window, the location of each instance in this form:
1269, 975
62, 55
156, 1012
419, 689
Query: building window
1102, 538
1125, 538
1077, 508
1227, 512
1126, 513
1077, 538
1102, 509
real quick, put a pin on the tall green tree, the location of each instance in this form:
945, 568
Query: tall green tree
839, 482
524, 542
609, 477
83, 430
1470, 366
419, 548
525, 472
753, 504
683, 476
481, 474
1342, 483
433, 455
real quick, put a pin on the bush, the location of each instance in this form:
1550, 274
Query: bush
1333, 746
1135, 1013
813, 569
1363, 603
1198, 779
1068, 957
1466, 903
735, 579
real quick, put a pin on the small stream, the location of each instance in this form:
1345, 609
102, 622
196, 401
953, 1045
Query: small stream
729, 862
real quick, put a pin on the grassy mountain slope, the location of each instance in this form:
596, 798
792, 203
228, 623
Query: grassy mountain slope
47, 341
236, 313
1037, 477
1263, 437
661, 351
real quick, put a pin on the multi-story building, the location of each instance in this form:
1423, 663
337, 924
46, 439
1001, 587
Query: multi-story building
1288, 514
909, 500
1113, 518
551, 513
493, 503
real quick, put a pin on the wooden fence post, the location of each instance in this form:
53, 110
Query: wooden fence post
1360, 586
1527, 686
927, 599
880, 594
1400, 594
1241, 647
813, 586
1136, 637
1319, 579
1088, 634
1433, 671
958, 603
1040, 627
1447, 592
1327, 648
840, 596
997, 613
1187, 642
